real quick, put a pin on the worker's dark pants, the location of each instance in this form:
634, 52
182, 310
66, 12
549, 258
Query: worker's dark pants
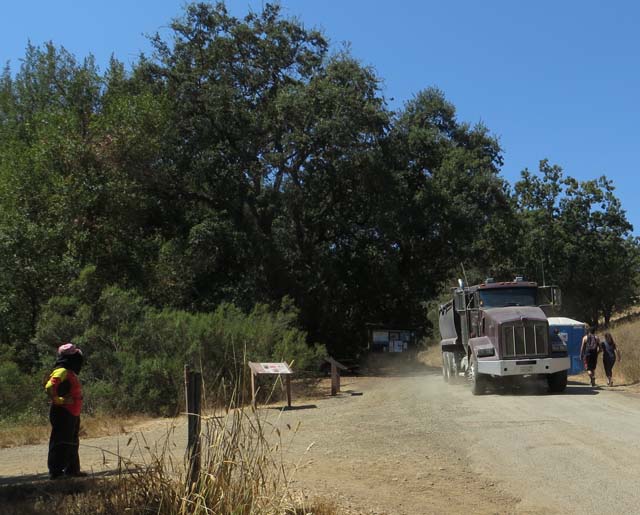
64, 442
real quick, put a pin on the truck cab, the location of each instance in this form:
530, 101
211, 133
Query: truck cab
496, 330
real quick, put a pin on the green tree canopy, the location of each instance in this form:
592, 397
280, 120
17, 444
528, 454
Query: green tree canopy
244, 162
578, 236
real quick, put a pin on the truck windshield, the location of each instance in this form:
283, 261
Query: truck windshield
501, 297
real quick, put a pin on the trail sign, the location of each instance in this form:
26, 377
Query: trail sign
280, 369
270, 368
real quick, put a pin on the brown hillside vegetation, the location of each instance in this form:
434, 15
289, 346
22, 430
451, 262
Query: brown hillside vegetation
627, 337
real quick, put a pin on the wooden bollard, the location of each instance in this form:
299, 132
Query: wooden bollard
335, 374
288, 382
193, 392
335, 379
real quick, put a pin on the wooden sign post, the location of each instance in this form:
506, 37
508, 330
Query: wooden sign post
279, 369
193, 391
335, 374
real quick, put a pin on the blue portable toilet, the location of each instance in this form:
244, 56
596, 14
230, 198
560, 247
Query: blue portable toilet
570, 332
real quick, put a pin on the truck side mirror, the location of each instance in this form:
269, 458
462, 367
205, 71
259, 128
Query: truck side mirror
550, 296
460, 301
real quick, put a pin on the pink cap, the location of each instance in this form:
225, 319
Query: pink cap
68, 349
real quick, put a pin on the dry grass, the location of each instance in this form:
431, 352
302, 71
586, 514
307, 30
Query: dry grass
431, 357
243, 471
97, 425
627, 337
318, 506
92, 426
23, 434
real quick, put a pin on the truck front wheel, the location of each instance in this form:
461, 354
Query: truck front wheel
478, 381
557, 382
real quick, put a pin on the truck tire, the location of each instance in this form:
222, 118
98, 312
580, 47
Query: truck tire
557, 382
453, 369
445, 366
478, 381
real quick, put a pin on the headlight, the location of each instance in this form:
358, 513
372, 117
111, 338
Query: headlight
483, 352
559, 347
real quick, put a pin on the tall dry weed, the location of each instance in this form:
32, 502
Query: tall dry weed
243, 471
627, 337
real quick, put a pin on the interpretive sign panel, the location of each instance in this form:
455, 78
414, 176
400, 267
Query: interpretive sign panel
270, 368
281, 369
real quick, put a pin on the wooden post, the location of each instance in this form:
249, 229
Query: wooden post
253, 388
288, 380
335, 379
335, 374
193, 390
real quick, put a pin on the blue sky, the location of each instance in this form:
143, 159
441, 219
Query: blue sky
556, 80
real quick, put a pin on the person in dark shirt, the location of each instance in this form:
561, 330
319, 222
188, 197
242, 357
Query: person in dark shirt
609, 354
589, 353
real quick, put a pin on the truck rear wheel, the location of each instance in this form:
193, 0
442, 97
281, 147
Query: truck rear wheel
453, 368
557, 382
445, 366
478, 381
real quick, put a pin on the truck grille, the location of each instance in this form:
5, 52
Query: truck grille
525, 339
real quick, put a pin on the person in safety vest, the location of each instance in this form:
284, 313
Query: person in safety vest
65, 393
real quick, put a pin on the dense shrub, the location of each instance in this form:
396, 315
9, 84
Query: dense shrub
21, 394
135, 353
152, 382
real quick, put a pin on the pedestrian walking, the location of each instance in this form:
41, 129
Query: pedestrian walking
610, 352
65, 393
589, 353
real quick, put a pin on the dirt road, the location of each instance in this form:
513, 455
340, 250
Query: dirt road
411, 444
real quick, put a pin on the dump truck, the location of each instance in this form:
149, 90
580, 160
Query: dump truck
498, 332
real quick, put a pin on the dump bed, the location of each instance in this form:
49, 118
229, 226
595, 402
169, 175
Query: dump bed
449, 324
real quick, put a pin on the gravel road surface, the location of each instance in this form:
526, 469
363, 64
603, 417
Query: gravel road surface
411, 444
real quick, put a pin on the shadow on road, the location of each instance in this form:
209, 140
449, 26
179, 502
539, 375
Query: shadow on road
539, 389
27, 478
581, 390
27, 486
292, 408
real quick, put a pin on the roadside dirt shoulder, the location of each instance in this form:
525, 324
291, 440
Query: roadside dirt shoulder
380, 447
385, 446
411, 444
